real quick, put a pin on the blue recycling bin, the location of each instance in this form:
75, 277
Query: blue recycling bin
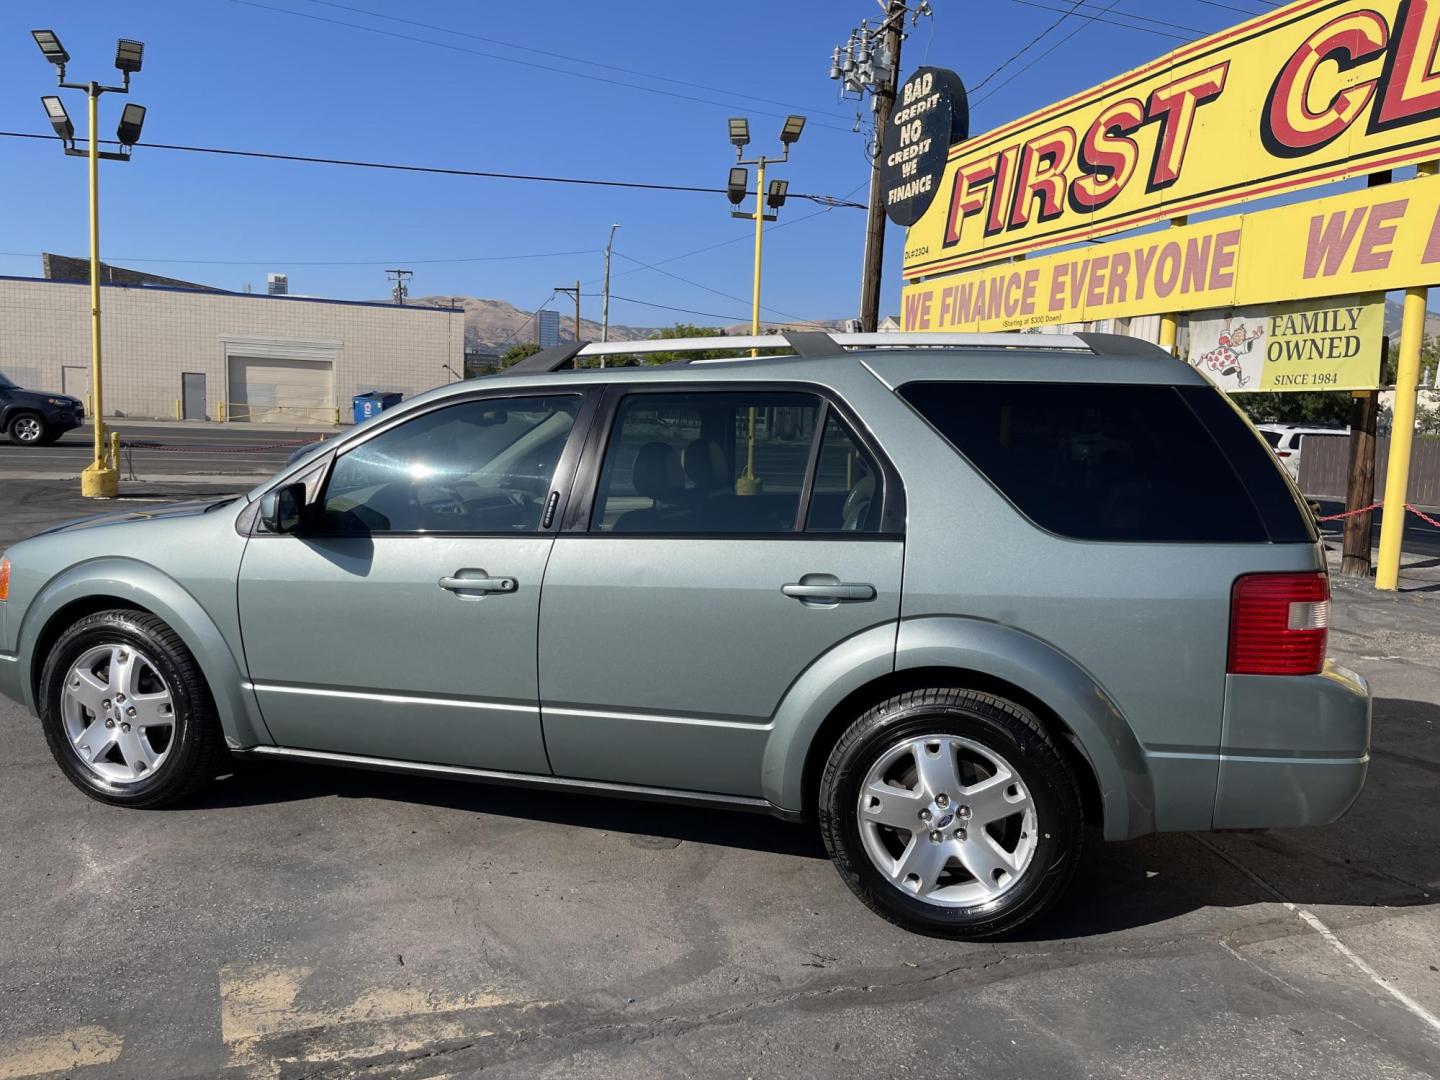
374, 403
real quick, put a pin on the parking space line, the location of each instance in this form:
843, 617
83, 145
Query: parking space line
76, 1048
1313, 921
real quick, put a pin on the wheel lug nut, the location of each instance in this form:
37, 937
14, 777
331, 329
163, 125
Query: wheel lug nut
130, 710
109, 723
937, 836
924, 815
959, 834
124, 727
119, 697
106, 703
963, 813
942, 800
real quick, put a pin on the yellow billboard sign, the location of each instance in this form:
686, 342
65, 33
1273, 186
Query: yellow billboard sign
1312, 92
1372, 240
1305, 345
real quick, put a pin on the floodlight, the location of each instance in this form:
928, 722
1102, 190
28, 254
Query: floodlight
739, 130
790, 133
59, 118
775, 198
128, 55
735, 189
51, 47
132, 119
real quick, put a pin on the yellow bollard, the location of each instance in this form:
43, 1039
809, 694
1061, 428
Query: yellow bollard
177, 408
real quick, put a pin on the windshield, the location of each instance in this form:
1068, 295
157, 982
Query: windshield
6, 384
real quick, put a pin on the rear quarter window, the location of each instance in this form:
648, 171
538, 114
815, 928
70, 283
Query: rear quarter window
1091, 461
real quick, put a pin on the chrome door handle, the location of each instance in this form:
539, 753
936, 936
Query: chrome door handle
481, 584
851, 591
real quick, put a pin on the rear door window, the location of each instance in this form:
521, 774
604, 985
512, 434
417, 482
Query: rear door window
1117, 462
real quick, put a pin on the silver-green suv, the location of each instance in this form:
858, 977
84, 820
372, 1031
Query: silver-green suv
952, 605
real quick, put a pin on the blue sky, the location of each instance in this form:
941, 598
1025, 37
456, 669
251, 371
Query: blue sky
256, 75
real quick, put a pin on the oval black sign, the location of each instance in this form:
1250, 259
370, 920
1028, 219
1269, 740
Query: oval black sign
932, 113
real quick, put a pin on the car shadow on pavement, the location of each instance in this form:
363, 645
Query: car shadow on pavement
258, 781
1385, 853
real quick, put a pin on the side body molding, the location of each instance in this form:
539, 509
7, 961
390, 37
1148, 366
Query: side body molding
146, 587
1102, 735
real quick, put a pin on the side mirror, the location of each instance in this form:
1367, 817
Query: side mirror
282, 508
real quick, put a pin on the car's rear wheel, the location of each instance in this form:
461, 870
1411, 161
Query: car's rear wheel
27, 429
126, 711
952, 813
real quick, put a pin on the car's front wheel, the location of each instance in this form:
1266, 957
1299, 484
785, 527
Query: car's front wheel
28, 429
951, 812
126, 711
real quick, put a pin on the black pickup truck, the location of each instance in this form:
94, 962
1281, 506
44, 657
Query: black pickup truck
35, 418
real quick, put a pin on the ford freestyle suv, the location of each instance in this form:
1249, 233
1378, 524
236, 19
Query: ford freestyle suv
954, 606
36, 418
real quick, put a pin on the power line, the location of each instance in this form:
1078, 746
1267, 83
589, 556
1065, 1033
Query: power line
700, 285
1027, 46
1111, 22
560, 56
1088, 20
671, 307
438, 170
326, 262
512, 60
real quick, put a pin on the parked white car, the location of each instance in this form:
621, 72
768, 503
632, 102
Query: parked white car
1287, 439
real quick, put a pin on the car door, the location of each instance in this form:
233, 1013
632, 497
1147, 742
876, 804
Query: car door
729, 537
400, 622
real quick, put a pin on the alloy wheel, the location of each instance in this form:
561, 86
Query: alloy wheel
947, 820
118, 713
28, 429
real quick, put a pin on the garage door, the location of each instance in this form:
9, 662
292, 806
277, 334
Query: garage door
265, 390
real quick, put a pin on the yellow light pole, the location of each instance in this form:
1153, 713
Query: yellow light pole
1402, 431
1170, 321
101, 478
774, 197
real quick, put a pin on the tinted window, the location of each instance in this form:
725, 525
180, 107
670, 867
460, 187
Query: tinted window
477, 467
1098, 462
1271, 437
704, 463
846, 496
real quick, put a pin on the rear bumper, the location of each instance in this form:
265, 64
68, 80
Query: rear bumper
1295, 750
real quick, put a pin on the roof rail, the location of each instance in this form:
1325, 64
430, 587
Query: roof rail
814, 344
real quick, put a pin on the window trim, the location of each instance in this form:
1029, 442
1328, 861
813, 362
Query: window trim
585, 485
560, 481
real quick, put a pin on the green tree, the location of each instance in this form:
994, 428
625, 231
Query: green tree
516, 353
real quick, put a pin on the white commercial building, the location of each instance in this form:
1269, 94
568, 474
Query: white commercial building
220, 355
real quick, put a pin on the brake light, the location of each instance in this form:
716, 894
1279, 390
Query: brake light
1279, 624
1282, 453
4, 579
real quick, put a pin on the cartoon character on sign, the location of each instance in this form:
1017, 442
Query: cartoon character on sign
1234, 342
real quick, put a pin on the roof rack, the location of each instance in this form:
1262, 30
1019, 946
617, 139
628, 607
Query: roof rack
814, 344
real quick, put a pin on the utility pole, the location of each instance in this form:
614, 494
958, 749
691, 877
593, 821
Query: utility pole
870, 62
573, 291
884, 105
400, 291
605, 311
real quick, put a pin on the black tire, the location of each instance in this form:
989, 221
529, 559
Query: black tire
27, 429
196, 749
1001, 726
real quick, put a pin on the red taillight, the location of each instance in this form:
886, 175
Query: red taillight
1282, 453
1278, 624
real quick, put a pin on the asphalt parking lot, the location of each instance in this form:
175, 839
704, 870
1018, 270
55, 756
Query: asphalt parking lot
298, 921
